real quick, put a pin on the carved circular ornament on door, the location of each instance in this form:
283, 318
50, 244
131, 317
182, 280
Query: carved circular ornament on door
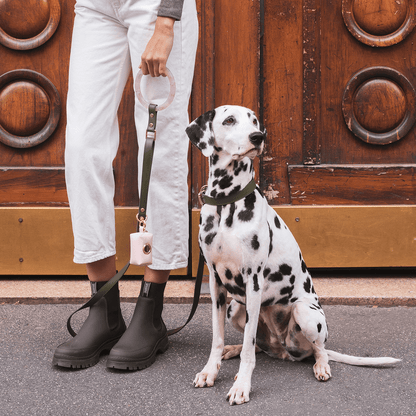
379, 22
27, 24
30, 108
378, 105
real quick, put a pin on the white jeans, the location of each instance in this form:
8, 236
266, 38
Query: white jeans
109, 38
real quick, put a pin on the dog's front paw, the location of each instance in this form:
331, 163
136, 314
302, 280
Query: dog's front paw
322, 371
204, 379
239, 393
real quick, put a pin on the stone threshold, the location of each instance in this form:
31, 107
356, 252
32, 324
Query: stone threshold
382, 292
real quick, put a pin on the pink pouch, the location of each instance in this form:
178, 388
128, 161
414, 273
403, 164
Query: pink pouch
141, 248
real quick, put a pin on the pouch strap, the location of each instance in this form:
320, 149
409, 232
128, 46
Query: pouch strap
149, 148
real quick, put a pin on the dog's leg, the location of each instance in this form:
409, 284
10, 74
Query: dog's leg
208, 375
311, 320
240, 391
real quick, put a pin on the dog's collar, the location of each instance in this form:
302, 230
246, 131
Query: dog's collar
204, 199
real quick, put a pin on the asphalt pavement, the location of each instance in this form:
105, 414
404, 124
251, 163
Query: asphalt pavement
30, 385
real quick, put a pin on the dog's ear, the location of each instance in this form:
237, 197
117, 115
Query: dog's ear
201, 134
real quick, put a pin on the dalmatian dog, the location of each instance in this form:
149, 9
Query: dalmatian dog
252, 255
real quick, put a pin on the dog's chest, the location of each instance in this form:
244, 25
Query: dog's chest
230, 233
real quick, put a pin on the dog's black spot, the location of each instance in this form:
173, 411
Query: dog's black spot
304, 268
209, 238
319, 326
221, 301
248, 213
276, 221
249, 271
239, 280
235, 290
298, 328
217, 279
258, 269
238, 167
292, 279
266, 272
247, 317
218, 149
268, 302
256, 286
214, 159
315, 308
283, 301
220, 172
255, 242
225, 182
211, 141
313, 290
287, 290
229, 220
209, 224
254, 341
275, 277
307, 285
228, 274
293, 300
285, 269
270, 239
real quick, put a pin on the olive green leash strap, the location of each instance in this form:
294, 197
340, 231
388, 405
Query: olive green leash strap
141, 216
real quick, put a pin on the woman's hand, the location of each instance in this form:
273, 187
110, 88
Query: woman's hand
158, 49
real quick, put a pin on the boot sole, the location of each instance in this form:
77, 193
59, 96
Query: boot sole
131, 365
79, 363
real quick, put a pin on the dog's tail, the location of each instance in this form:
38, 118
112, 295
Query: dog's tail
364, 361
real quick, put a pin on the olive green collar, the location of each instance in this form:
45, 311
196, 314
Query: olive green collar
229, 199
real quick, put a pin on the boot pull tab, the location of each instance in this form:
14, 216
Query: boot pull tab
146, 289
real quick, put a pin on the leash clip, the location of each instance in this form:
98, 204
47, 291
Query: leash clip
142, 222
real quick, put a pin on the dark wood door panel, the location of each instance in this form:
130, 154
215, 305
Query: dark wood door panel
380, 102
352, 185
31, 50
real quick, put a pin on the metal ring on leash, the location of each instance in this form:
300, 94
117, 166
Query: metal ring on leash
144, 102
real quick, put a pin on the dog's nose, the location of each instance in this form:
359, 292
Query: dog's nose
256, 138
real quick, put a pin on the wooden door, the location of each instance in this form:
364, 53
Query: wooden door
334, 84
339, 99
36, 235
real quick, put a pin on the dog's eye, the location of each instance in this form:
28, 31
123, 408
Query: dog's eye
255, 122
229, 121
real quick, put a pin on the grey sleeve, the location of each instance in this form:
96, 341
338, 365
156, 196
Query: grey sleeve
171, 8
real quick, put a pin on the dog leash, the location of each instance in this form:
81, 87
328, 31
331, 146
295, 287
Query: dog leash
141, 217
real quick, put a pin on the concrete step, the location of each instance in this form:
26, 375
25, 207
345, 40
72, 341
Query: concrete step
374, 291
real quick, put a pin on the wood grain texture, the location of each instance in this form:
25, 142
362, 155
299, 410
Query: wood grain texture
32, 186
28, 24
353, 185
347, 236
203, 91
283, 86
